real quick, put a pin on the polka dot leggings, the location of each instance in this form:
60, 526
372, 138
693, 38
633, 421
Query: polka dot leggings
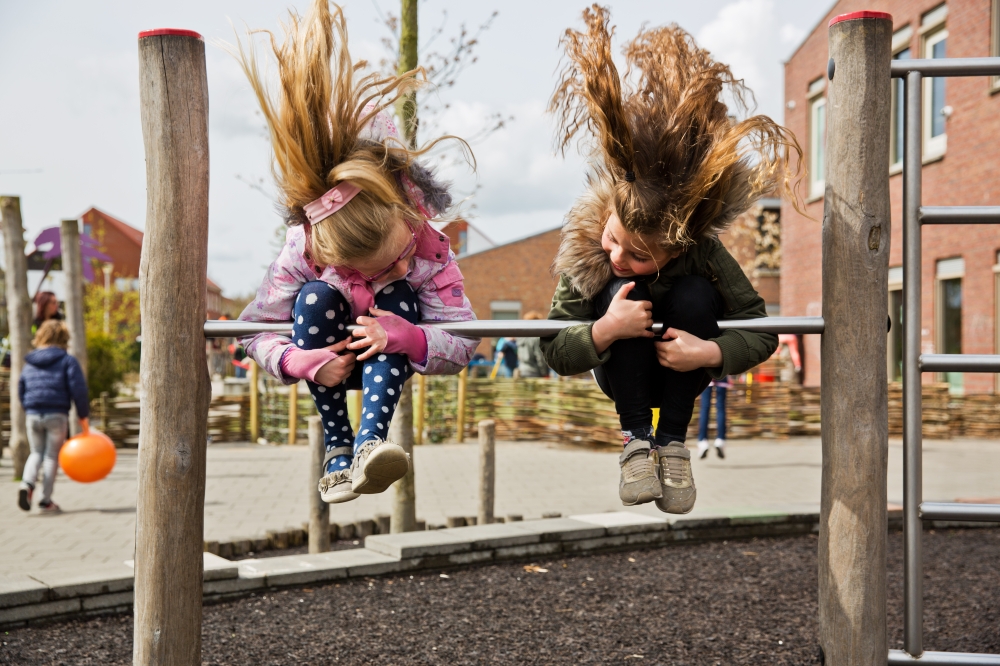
322, 315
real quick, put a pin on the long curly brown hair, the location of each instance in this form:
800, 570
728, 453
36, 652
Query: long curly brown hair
316, 119
668, 156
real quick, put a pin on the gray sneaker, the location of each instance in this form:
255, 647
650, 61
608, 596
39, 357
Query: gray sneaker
335, 487
377, 465
639, 483
676, 480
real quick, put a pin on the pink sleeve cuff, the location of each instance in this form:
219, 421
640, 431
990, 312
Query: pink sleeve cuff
404, 338
305, 363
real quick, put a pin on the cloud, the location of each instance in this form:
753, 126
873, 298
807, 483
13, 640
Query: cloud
751, 38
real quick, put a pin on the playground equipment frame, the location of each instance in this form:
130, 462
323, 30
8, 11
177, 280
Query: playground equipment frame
172, 449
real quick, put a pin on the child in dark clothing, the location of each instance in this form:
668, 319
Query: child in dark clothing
671, 169
51, 379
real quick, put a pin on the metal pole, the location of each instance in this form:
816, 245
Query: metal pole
913, 589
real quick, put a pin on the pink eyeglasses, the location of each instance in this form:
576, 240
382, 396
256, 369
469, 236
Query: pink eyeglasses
388, 269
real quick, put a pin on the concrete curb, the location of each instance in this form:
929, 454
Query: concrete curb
28, 600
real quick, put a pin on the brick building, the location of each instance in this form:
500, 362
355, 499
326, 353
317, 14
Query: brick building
123, 243
960, 268
508, 281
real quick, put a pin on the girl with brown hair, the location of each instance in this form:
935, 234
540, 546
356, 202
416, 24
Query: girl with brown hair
359, 249
671, 168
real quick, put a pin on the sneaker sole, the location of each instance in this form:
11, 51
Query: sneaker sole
385, 465
651, 492
720, 453
677, 505
22, 500
339, 495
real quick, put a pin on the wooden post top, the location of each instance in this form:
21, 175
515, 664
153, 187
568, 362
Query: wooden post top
865, 14
180, 32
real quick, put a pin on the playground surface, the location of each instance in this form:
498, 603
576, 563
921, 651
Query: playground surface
251, 489
720, 602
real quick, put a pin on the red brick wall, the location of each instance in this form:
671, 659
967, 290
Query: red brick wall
967, 175
122, 249
517, 271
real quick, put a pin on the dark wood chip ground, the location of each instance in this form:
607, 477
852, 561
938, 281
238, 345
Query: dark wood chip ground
736, 602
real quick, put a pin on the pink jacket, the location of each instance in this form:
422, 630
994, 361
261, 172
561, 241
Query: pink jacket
434, 276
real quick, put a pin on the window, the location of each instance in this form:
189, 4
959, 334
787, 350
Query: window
895, 351
817, 138
505, 309
900, 51
936, 112
995, 42
996, 316
949, 313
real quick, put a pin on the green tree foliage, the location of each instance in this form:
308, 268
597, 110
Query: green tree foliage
112, 347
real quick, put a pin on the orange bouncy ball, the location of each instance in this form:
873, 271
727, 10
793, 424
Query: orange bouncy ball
88, 457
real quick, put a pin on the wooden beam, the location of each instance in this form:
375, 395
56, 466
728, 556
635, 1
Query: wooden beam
18, 323
856, 233
173, 94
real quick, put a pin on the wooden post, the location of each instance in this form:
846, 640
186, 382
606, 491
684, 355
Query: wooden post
19, 323
487, 470
319, 511
104, 411
170, 511
254, 403
460, 416
73, 275
354, 409
418, 410
293, 412
404, 504
856, 233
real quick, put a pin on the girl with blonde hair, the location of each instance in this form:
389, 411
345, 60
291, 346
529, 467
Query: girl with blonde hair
671, 168
359, 249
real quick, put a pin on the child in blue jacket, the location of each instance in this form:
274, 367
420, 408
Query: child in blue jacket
51, 379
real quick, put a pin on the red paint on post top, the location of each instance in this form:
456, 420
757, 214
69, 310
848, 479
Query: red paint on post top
860, 15
169, 31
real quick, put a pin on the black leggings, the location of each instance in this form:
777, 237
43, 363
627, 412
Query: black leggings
634, 378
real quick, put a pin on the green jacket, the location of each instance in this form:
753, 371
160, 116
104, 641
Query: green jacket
572, 351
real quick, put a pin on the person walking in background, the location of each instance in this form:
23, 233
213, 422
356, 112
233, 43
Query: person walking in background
51, 379
46, 307
530, 358
720, 386
506, 357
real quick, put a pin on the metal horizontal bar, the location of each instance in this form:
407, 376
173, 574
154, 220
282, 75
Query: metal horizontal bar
946, 66
986, 513
960, 363
944, 659
960, 215
491, 328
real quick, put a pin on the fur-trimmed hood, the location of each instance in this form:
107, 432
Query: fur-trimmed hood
585, 263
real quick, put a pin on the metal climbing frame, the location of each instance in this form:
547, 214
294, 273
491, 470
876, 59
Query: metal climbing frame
915, 510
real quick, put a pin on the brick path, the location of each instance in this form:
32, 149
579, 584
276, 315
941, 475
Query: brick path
251, 489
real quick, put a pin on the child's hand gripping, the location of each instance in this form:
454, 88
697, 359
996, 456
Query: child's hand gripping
389, 333
371, 334
624, 319
683, 352
339, 369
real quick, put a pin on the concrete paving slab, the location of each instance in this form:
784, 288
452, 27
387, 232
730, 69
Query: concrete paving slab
624, 522
35, 611
561, 529
497, 535
218, 568
408, 545
19, 589
66, 583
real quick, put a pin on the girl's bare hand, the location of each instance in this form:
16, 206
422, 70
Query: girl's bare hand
683, 352
336, 371
624, 319
371, 335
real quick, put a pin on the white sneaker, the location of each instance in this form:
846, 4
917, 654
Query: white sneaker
377, 465
702, 448
720, 446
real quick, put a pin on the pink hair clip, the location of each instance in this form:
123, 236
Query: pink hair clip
328, 204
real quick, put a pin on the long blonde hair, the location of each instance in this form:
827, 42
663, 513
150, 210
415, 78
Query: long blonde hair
667, 157
317, 124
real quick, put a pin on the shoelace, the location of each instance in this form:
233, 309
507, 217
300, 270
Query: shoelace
639, 467
676, 470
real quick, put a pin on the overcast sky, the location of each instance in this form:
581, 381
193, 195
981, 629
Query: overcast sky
70, 136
